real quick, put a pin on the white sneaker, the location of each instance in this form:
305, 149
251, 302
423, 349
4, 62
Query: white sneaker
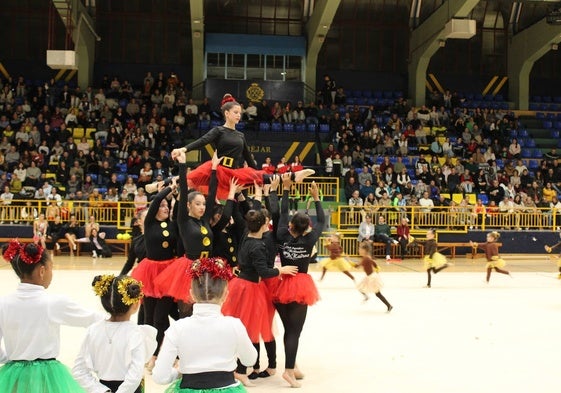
388, 257
94, 254
395, 241
57, 246
74, 247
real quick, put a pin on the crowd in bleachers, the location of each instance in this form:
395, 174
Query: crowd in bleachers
108, 142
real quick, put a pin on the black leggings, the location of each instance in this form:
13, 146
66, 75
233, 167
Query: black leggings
293, 316
271, 348
156, 314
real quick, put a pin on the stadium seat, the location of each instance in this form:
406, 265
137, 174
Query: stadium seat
324, 128
288, 127
484, 198
276, 127
533, 165
204, 125
547, 124
78, 133
526, 153
523, 133
555, 134
300, 127
530, 143
240, 126
537, 153
264, 126
312, 127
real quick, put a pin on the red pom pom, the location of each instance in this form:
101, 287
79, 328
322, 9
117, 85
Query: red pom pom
13, 249
217, 267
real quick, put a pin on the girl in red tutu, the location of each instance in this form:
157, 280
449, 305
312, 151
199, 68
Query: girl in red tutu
196, 235
232, 147
294, 294
247, 298
160, 237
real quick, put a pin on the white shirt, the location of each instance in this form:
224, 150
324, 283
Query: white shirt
427, 204
30, 320
207, 341
114, 351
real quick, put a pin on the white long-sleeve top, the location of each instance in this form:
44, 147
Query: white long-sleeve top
114, 351
207, 341
30, 320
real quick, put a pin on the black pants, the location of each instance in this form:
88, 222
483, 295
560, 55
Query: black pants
293, 316
156, 314
383, 238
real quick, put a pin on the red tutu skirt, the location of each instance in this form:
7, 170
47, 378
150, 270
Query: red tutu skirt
147, 271
199, 178
248, 301
299, 288
175, 281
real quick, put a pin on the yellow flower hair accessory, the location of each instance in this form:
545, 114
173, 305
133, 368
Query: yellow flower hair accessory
102, 283
130, 295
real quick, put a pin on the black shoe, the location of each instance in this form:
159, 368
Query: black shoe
264, 374
253, 375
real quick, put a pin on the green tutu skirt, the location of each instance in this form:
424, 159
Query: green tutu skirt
175, 388
37, 376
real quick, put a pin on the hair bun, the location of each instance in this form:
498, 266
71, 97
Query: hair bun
134, 290
227, 98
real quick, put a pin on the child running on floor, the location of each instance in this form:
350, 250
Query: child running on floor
434, 261
114, 351
30, 321
336, 261
492, 254
549, 249
371, 283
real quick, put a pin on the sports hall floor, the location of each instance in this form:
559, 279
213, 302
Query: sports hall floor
460, 336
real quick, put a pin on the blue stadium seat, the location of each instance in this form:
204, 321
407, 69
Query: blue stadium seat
93, 176
121, 178
530, 143
533, 165
557, 125
513, 133
276, 127
351, 100
534, 107
526, 153
300, 127
537, 153
547, 124
484, 198
312, 127
264, 126
536, 99
546, 99
377, 94
359, 128
240, 126
367, 93
555, 134
288, 127
523, 133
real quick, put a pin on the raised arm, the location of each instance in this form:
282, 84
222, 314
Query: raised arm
155, 205
207, 138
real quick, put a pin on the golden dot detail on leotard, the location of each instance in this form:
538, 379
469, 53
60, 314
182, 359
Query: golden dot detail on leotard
165, 244
165, 233
164, 224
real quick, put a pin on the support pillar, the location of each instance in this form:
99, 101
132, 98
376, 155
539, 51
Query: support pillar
524, 49
425, 41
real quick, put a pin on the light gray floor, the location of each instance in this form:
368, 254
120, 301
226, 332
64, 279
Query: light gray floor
460, 336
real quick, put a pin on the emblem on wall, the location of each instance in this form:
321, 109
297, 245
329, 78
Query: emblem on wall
254, 93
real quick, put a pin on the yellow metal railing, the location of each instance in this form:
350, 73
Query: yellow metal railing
105, 212
448, 219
